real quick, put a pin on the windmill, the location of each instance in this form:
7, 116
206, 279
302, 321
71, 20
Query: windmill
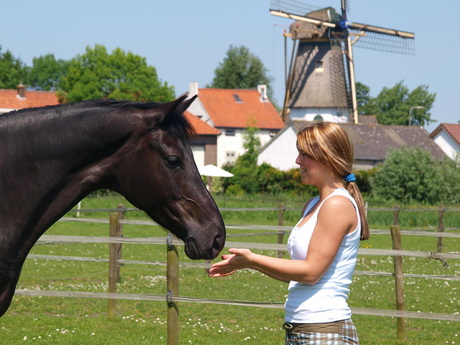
320, 77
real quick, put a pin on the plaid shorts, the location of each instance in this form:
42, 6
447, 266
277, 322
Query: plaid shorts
298, 336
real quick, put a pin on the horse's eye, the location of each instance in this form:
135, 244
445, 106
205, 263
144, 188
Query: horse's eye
172, 162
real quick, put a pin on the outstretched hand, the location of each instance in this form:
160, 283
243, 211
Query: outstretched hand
237, 259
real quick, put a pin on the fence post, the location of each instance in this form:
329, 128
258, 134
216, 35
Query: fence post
440, 226
396, 215
172, 278
281, 211
118, 246
442, 209
114, 256
399, 280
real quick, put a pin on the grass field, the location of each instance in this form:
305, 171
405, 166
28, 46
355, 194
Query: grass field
57, 320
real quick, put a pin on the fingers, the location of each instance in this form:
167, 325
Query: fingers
236, 251
230, 263
227, 256
218, 275
219, 272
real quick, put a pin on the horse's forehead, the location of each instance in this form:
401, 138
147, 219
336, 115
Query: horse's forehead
166, 139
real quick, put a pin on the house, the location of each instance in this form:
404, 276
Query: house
371, 142
14, 99
447, 137
204, 142
231, 111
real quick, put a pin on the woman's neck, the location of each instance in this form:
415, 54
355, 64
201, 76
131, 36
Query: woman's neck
329, 187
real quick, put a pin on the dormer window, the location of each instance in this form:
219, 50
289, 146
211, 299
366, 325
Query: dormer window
237, 98
318, 66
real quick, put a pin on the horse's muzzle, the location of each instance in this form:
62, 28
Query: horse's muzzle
197, 252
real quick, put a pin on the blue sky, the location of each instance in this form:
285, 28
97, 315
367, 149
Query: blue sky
186, 40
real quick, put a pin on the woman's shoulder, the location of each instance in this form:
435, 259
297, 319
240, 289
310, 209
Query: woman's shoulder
339, 201
339, 211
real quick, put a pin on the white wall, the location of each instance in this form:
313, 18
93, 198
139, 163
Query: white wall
328, 114
447, 144
198, 155
282, 151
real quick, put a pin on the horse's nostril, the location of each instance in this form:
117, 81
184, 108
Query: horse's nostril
218, 245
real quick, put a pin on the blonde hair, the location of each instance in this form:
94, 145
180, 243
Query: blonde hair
328, 143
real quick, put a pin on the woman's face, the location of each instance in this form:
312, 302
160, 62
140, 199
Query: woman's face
311, 169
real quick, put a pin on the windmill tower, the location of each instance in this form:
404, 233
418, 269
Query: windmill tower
320, 83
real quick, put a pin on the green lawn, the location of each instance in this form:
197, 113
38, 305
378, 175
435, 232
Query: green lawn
58, 320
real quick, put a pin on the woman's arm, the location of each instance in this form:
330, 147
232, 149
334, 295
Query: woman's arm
335, 218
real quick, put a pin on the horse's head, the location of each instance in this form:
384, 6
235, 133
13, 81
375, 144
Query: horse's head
157, 173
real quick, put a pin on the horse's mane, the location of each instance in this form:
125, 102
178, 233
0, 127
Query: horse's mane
175, 123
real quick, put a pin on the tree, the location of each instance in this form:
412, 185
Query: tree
119, 75
408, 174
12, 70
362, 97
46, 72
393, 105
252, 144
241, 70
245, 167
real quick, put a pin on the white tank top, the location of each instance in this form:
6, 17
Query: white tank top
326, 301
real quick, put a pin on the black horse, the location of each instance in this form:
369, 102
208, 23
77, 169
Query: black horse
52, 157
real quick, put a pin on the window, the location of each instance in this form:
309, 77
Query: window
237, 98
230, 132
318, 66
230, 157
318, 118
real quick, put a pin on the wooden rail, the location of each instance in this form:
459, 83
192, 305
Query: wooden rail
173, 298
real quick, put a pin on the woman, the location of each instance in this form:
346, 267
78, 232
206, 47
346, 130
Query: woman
323, 245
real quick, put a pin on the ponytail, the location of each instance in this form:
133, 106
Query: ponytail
354, 191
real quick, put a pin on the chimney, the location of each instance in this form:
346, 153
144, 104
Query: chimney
21, 90
262, 89
193, 89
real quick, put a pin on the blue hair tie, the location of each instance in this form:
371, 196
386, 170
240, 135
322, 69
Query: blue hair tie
350, 178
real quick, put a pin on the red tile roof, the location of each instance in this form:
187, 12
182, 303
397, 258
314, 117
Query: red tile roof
201, 127
237, 108
452, 129
9, 99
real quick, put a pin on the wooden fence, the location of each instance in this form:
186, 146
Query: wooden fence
172, 297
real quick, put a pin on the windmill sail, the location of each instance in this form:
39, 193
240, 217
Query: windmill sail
321, 78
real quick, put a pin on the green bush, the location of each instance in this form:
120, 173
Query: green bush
412, 175
449, 180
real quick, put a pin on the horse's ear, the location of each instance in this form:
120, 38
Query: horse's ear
185, 104
160, 113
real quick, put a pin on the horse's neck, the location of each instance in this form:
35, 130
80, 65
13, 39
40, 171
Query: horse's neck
41, 155
49, 136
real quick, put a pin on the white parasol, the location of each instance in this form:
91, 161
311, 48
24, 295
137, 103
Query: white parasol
212, 170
